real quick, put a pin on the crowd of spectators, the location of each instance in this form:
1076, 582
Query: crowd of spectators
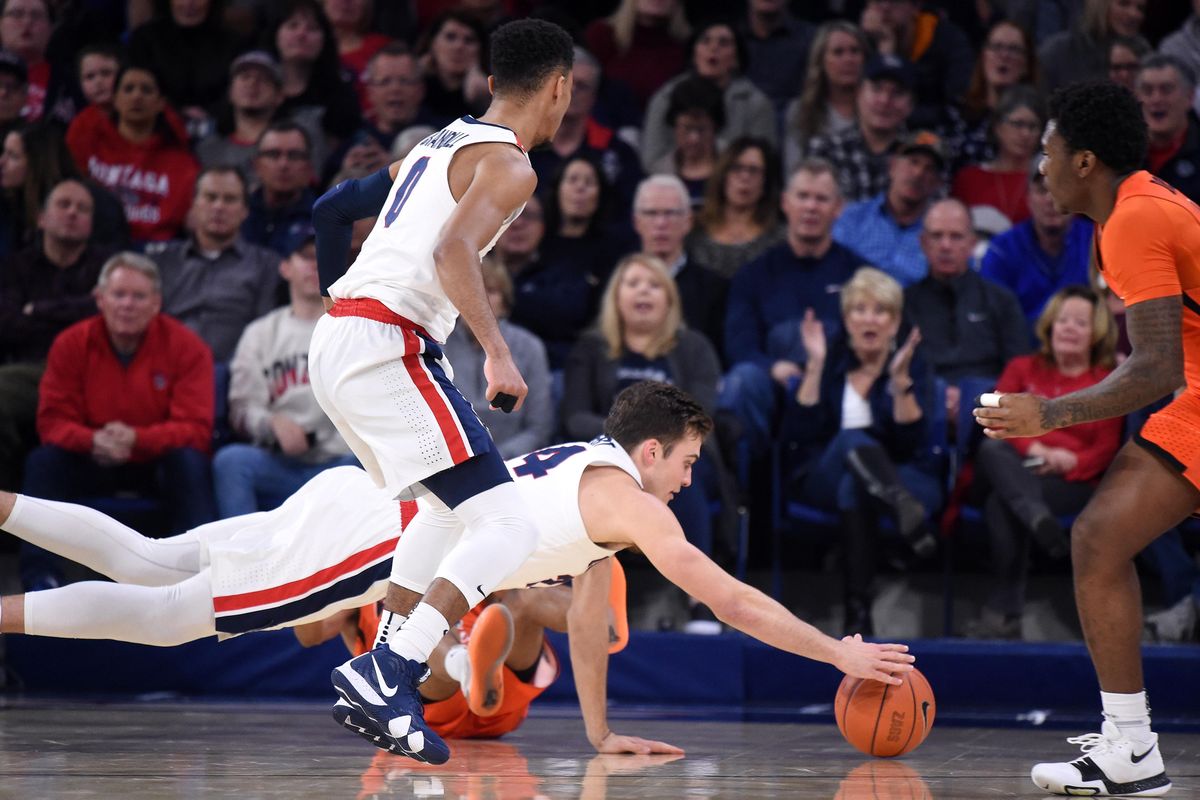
820, 218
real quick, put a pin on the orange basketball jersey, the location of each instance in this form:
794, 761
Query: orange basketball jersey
1150, 248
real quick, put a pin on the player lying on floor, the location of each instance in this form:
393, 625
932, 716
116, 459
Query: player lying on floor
486, 672
327, 548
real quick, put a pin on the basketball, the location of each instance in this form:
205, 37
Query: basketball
883, 720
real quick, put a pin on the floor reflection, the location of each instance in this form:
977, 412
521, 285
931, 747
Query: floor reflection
880, 779
499, 771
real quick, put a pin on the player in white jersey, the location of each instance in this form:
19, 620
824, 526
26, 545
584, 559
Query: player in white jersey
376, 363
327, 548
592, 500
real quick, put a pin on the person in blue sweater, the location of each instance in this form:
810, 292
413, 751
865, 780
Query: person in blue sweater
769, 296
1038, 257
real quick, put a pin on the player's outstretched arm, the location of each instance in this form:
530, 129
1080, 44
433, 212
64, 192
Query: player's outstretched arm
1153, 370
335, 213
501, 182
653, 528
587, 628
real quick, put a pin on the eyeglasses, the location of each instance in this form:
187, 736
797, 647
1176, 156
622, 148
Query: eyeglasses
1006, 49
661, 213
290, 155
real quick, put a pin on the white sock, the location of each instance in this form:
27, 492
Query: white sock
421, 633
456, 663
389, 623
1130, 712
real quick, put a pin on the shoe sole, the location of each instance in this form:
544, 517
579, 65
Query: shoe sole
491, 642
1150, 787
352, 719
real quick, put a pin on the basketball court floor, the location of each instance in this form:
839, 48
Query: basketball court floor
135, 750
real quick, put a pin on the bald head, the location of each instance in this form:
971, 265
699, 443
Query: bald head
947, 239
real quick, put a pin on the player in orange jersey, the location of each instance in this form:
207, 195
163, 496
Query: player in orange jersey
1148, 251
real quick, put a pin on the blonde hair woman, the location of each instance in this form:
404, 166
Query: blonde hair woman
855, 430
639, 336
1025, 485
642, 43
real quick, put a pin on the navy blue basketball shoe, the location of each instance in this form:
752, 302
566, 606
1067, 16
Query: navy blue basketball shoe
383, 686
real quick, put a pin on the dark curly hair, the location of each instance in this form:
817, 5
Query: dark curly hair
525, 52
1105, 118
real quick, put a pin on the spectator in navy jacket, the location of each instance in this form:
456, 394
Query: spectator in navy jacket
855, 427
769, 296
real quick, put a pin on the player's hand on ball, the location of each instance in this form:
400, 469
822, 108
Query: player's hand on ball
616, 743
877, 662
1016, 415
503, 377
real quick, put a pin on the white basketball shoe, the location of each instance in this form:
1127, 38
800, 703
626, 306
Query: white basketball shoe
1113, 765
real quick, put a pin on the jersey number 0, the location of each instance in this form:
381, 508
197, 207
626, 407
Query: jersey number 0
406, 190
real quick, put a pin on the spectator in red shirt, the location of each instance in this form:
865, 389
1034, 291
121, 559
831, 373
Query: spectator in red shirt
140, 153
25, 27
643, 44
1001, 183
1026, 484
126, 403
351, 21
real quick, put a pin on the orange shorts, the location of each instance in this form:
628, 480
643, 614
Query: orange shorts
453, 720
1173, 434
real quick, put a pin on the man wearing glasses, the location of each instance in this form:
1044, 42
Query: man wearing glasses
281, 208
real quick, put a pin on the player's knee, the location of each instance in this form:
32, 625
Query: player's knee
520, 603
1087, 554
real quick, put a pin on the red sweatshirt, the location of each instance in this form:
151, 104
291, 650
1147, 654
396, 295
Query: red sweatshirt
154, 179
1093, 443
165, 393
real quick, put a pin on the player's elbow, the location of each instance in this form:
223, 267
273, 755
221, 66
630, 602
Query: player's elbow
1164, 371
734, 608
449, 250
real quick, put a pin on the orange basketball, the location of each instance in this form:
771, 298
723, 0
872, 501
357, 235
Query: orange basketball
884, 720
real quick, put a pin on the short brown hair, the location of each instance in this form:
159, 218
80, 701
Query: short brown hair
654, 410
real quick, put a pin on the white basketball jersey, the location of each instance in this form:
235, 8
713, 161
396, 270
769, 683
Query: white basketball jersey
548, 480
396, 264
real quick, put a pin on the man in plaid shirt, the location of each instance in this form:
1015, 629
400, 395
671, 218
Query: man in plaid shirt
860, 155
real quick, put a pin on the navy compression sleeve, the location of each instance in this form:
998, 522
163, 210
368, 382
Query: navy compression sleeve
334, 215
